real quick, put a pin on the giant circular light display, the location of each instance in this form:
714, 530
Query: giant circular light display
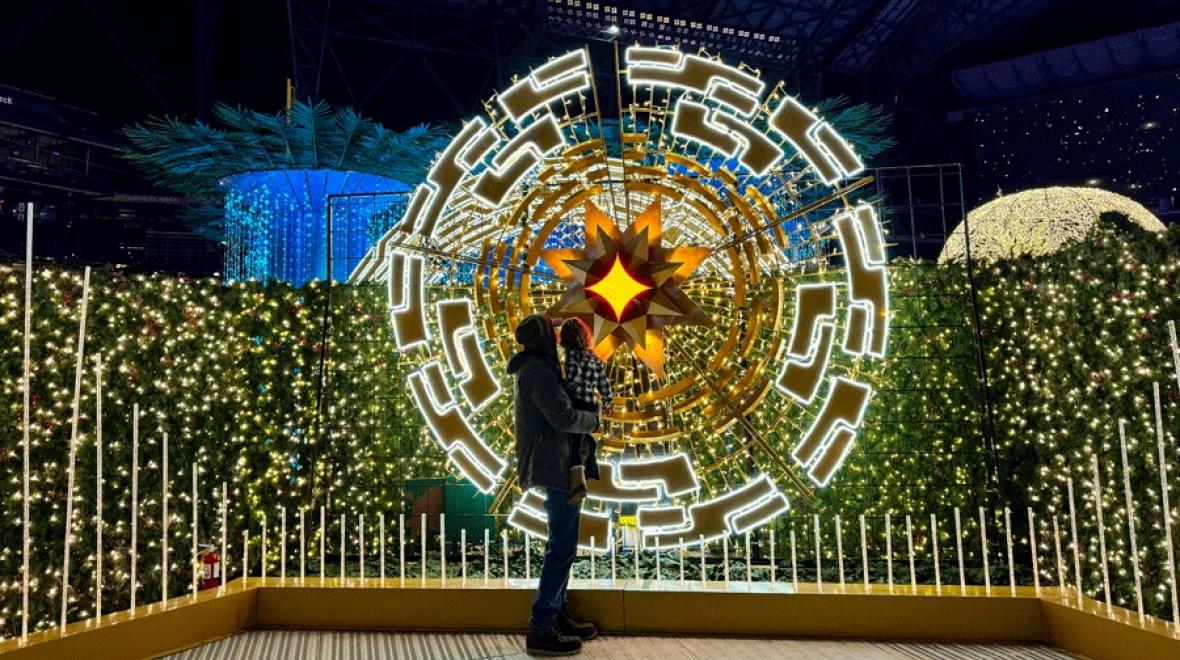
705, 226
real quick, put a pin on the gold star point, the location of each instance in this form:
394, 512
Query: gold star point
609, 277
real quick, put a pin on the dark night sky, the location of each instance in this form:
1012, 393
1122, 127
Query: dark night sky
130, 60
102, 55
1123, 137
127, 60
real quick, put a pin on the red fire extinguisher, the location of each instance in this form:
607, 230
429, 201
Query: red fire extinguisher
210, 568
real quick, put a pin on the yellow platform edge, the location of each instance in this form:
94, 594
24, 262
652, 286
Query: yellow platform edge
626, 607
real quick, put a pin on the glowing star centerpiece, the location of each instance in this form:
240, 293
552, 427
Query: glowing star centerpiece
626, 284
618, 288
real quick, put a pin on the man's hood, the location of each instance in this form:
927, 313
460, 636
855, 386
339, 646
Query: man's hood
536, 337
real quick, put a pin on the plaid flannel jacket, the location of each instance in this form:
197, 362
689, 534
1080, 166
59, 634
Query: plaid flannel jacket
584, 375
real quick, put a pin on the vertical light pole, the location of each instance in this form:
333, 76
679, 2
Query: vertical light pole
1167, 508
134, 503
224, 531
164, 521
1130, 511
98, 525
1101, 531
1073, 535
25, 386
196, 565
80, 351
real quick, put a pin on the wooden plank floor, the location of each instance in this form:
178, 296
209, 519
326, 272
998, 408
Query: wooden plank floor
336, 645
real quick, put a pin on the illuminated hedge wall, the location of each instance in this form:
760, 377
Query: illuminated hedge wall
1074, 343
232, 373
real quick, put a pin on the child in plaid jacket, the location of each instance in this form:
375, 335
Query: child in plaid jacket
585, 376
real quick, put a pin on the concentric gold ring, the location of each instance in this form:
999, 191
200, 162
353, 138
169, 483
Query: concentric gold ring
757, 399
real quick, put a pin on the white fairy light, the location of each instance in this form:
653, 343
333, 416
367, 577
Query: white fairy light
1039, 222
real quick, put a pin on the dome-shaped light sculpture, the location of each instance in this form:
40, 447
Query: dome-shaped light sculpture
277, 176
1039, 222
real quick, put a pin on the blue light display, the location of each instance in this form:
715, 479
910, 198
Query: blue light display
277, 222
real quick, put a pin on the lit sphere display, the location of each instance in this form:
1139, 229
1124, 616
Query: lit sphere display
705, 226
1040, 222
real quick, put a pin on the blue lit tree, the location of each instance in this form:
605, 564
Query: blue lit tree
263, 181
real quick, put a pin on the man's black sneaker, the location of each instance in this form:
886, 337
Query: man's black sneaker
583, 630
550, 642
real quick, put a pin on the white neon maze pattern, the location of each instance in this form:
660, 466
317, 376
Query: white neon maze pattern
478, 199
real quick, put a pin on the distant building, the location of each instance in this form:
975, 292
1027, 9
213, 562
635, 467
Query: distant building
92, 206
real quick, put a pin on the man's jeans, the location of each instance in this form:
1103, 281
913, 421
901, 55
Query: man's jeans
560, 550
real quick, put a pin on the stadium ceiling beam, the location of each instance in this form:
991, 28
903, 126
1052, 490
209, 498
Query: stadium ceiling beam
858, 14
319, 30
144, 75
443, 84
864, 46
776, 17
409, 44
967, 20
15, 37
